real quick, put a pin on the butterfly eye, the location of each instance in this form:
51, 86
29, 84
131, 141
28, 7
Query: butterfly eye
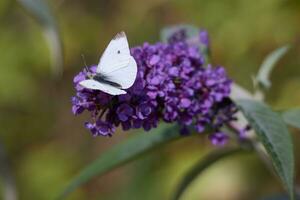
119, 51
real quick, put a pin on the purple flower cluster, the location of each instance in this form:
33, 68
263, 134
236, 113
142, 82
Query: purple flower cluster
172, 85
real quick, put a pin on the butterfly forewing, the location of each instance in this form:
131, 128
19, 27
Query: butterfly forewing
116, 55
124, 76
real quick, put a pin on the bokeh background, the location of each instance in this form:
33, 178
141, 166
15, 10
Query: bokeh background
44, 145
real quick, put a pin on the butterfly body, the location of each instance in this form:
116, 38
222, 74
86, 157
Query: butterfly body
116, 70
105, 80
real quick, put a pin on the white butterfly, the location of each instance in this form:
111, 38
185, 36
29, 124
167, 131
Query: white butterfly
116, 69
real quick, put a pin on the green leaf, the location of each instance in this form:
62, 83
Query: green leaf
292, 117
281, 197
275, 137
42, 13
201, 166
123, 153
238, 92
277, 197
263, 76
167, 32
40, 10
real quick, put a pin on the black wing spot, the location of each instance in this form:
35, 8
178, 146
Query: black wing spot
119, 51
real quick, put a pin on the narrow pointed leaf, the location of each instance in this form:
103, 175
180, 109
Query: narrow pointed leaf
40, 10
201, 166
280, 197
275, 137
292, 117
123, 153
238, 92
263, 76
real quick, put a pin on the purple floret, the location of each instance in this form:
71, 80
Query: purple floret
204, 38
218, 138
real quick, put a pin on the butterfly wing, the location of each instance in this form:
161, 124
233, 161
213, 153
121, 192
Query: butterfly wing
116, 62
124, 76
95, 85
115, 56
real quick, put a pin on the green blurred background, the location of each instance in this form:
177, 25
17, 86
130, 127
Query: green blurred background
45, 145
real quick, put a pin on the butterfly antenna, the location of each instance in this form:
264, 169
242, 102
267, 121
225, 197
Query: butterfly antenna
83, 59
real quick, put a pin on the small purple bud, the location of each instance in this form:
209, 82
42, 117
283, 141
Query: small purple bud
185, 103
173, 71
154, 60
204, 38
218, 139
124, 111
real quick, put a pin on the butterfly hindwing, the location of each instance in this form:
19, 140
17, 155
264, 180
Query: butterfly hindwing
95, 85
124, 76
